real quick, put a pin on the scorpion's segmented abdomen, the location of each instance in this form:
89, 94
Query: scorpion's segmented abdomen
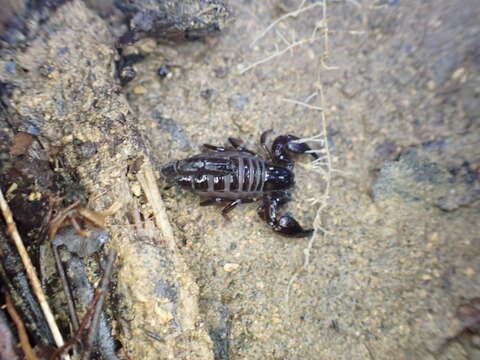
228, 175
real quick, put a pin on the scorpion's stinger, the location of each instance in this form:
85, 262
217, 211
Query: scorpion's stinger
287, 225
284, 143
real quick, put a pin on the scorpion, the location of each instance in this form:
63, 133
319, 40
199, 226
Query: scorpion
237, 175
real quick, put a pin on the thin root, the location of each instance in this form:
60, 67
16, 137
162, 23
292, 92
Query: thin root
31, 273
22, 332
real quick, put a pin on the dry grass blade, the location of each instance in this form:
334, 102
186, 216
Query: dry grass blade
22, 332
32, 275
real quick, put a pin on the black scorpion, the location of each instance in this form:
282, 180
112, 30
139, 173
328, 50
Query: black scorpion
237, 175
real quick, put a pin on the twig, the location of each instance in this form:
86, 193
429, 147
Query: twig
294, 13
83, 324
149, 185
22, 332
37, 288
66, 287
92, 332
278, 53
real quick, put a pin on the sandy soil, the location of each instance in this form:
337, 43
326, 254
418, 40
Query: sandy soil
386, 280
396, 213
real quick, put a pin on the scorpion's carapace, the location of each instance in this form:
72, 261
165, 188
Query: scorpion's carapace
237, 175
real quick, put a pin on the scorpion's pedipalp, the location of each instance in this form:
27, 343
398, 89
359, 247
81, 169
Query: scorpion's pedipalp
301, 148
288, 143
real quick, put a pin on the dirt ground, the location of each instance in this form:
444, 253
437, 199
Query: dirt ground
395, 202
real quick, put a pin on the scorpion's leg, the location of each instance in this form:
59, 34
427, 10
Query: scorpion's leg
211, 201
230, 206
214, 147
237, 145
288, 143
263, 143
286, 225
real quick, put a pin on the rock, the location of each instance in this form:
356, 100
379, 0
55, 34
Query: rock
430, 173
174, 20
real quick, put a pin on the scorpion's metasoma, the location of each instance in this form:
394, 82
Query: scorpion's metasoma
237, 175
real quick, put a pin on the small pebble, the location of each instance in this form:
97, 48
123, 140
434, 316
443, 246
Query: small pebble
136, 189
34, 196
163, 71
139, 90
228, 267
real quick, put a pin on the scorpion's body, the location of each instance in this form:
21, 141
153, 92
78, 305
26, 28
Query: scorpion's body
228, 175
237, 175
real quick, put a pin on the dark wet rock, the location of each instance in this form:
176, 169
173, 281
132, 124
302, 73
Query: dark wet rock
430, 173
172, 20
219, 318
83, 293
31, 179
82, 246
20, 19
14, 279
126, 67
